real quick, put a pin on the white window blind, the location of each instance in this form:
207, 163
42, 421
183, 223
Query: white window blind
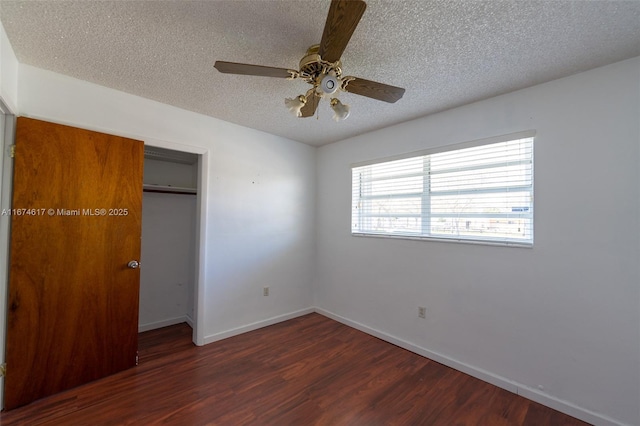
481, 192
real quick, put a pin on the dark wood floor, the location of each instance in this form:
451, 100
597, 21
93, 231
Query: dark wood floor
307, 371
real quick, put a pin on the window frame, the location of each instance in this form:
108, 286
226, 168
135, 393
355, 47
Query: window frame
426, 214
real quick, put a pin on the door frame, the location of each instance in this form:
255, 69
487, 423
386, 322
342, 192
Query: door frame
198, 336
7, 138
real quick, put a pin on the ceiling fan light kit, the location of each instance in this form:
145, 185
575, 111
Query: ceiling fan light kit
321, 67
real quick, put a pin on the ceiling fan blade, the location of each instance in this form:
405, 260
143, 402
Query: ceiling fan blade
373, 89
248, 69
342, 21
309, 109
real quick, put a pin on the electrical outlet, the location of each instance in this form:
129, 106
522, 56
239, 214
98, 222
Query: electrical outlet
422, 312
265, 291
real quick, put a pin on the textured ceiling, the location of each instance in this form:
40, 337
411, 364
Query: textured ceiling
445, 53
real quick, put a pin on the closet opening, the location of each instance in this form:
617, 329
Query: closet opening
168, 270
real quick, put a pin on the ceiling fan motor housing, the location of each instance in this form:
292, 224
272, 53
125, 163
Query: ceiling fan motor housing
312, 65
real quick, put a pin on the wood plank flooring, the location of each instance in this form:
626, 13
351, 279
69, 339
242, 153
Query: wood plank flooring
307, 371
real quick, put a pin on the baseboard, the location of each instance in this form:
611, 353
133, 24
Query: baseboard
256, 325
189, 320
486, 376
164, 323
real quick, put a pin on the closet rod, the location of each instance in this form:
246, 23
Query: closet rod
168, 189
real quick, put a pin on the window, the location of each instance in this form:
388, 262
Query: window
479, 192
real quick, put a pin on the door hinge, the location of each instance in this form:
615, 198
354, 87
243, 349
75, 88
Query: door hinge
3, 369
12, 151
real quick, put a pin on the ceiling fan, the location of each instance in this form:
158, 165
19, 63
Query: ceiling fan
321, 67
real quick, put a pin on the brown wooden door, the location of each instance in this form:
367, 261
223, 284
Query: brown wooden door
76, 223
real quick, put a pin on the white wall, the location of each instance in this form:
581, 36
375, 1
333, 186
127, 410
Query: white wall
8, 72
159, 172
258, 197
559, 323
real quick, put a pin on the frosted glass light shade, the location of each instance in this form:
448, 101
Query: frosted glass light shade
294, 105
340, 110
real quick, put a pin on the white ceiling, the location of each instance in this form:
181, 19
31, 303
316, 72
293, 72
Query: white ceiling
445, 53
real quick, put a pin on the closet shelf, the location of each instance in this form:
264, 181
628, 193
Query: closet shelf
168, 189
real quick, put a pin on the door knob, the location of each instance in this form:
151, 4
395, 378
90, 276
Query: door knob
134, 264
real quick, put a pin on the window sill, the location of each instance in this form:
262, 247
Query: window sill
515, 244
